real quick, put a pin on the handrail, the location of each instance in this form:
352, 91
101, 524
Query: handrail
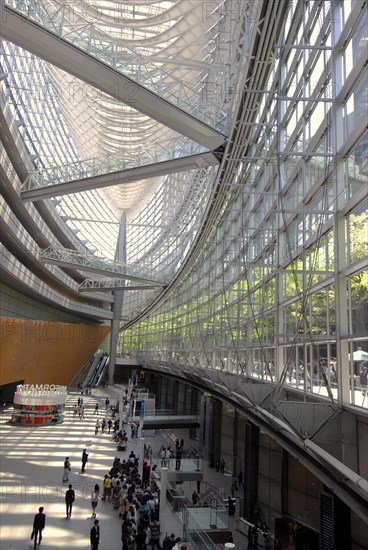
151, 153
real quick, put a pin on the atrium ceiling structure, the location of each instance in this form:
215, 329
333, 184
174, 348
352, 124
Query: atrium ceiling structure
117, 103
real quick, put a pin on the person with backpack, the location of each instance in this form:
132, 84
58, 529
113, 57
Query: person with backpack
144, 514
67, 467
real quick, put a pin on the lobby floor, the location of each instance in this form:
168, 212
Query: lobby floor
31, 476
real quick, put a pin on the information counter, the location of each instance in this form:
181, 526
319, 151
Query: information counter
39, 405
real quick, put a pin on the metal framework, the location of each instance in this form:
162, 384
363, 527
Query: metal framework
271, 284
172, 156
114, 68
91, 285
84, 262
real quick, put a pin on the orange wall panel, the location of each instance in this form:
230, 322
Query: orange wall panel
43, 352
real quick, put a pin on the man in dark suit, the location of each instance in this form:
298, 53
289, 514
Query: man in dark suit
69, 499
95, 535
84, 460
38, 526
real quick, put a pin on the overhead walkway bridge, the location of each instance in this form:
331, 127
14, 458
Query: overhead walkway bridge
157, 159
158, 421
64, 257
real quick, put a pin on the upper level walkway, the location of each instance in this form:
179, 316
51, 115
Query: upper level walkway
65, 257
150, 161
158, 421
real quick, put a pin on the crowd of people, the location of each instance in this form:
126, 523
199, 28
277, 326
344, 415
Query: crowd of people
126, 487
168, 455
129, 495
135, 503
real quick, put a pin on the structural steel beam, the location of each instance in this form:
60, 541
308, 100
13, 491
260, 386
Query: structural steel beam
84, 262
90, 285
129, 175
23, 32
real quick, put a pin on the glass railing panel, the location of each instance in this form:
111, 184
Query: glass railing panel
185, 464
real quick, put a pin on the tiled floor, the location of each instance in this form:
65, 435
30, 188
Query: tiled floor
31, 476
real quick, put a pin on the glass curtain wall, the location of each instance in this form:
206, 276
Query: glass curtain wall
279, 292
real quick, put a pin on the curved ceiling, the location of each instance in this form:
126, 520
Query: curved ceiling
172, 47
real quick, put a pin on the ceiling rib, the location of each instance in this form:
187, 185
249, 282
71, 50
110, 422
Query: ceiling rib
53, 49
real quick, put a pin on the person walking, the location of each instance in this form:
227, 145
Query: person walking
96, 408
178, 459
94, 499
67, 467
234, 488
363, 378
107, 487
69, 499
38, 526
195, 498
155, 534
163, 456
240, 479
95, 535
84, 460
97, 427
